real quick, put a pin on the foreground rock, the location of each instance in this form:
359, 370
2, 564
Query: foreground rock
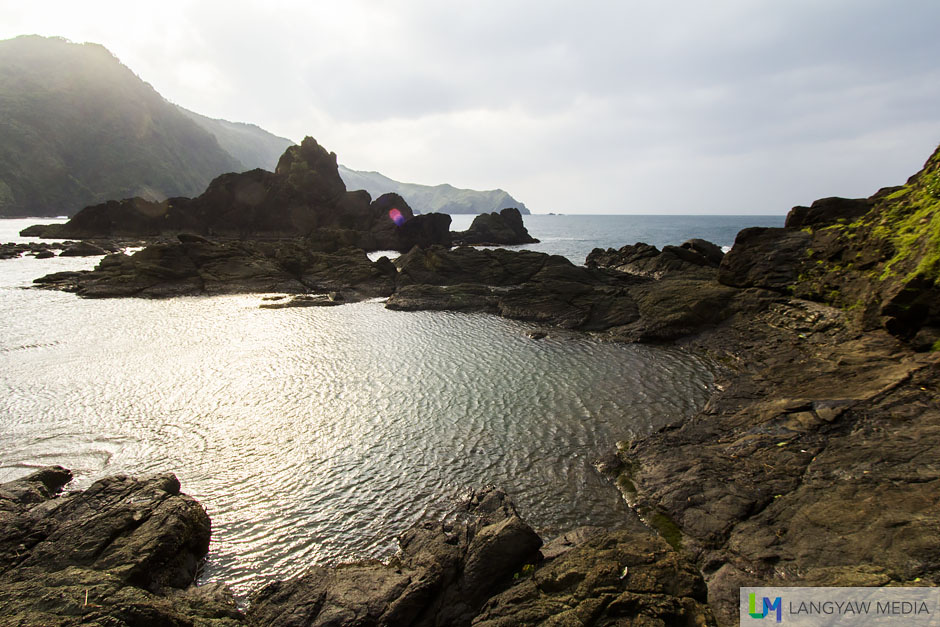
303, 198
123, 552
495, 229
817, 462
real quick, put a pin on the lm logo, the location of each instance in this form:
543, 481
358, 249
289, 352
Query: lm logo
767, 607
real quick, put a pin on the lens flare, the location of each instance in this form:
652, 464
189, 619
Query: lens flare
396, 216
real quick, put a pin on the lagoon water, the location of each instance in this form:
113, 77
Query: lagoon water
316, 435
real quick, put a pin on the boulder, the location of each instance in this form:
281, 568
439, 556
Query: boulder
711, 252
443, 574
826, 211
83, 249
765, 257
496, 229
121, 552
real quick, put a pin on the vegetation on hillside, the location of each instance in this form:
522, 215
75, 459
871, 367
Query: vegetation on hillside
884, 266
442, 198
77, 127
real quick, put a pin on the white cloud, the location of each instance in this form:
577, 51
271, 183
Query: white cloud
674, 106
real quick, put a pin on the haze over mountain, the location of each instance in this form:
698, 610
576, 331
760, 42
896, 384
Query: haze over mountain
78, 128
443, 198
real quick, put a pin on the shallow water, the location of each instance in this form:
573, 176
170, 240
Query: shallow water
316, 435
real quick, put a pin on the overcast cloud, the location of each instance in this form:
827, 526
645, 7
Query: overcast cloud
589, 107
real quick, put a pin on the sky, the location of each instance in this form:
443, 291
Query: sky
665, 107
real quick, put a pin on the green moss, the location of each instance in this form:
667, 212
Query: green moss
936, 346
667, 528
911, 222
626, 485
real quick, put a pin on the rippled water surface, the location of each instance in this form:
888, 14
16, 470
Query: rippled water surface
317, 435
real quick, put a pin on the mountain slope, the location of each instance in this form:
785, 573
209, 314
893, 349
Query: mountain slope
253, 146
77, 127
442, 198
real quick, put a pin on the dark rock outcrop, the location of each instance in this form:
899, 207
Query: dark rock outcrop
496, 229
826, 211
442, 576
765, 257
40, 250
813, 464
620, 577
303, 198
123, 552
523, 285
696, 256
85, 249
198, 266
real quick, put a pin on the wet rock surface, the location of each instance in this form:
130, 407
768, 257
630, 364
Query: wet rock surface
195, 266
122, 552
815, 464
125, 552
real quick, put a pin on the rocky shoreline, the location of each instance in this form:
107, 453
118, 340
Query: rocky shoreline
125, 552
816, 462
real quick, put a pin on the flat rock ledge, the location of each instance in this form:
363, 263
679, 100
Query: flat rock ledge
126, 551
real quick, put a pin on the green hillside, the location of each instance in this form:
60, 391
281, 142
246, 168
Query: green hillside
253, 146
442, 198
77, 127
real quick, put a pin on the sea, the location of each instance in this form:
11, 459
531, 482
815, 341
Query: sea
317, 435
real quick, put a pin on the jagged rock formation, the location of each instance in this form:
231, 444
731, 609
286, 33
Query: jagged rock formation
496, 229
878, 258
303, 198
696, 256
124, 552
199, 266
